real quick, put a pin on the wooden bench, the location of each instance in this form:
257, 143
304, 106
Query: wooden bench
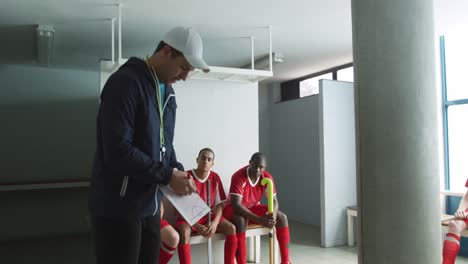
352, 213
252, 234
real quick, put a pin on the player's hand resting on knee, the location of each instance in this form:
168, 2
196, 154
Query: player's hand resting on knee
211, 230
267, 221
201, 229
461, 214
272, 215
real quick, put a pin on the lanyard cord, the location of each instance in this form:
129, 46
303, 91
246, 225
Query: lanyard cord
159, 102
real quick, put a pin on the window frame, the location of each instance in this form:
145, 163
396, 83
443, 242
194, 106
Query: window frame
290, 89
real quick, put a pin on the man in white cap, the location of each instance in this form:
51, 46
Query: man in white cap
135, 153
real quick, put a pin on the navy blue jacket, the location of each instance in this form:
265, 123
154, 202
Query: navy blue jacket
127, 169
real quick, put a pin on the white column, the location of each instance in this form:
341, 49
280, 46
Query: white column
397, 118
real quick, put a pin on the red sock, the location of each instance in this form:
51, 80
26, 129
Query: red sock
184, 254
230, 247
165, 253
282, 234
451, 248
241, 249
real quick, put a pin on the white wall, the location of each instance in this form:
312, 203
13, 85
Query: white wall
290, 139
337, 159
221, 115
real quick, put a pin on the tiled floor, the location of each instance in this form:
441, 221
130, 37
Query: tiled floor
305, 249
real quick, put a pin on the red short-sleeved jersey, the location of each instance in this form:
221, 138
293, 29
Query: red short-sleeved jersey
251, 192
217, 194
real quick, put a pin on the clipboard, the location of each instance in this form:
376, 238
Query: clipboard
191, 207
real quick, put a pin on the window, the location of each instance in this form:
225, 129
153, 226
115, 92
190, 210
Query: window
346, 74
454, 56
309, 85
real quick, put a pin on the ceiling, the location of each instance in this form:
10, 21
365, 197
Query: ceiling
311, 34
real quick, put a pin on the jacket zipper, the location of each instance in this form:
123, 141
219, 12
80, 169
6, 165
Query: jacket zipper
167, 100
157, 186
156, 200
123, 189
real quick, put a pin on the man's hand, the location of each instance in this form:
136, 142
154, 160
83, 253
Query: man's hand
211, 230
272, 216
461, 214
181, 183
201, 229
267, 221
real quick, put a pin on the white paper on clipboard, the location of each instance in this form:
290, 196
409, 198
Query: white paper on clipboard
191, 207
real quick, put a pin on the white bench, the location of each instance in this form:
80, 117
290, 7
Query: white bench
252, 235
352, 213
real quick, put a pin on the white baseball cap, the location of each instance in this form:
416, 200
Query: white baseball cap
189, 42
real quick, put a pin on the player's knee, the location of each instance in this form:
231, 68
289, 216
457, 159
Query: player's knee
282, 219
173, 239
239, 222
230, 229
184, 233
456, 226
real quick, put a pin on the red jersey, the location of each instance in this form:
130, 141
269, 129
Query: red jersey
466, 184
251, 192
217, 194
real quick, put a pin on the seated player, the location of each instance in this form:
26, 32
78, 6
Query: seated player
169, 239
201, 175
245, 195
455, 227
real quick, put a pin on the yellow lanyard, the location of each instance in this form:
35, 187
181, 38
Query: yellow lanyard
160, 105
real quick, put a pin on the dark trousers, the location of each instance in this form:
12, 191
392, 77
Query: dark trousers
126, 241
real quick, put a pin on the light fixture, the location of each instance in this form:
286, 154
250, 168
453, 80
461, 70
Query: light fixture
263, 63
45, 42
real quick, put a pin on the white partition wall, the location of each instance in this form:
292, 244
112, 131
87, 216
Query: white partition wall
222, 115
337, 159
217, 114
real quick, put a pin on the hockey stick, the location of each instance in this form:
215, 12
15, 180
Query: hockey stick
269, 184
208, 201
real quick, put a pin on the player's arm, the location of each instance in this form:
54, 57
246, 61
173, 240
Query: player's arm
218, 211
219, 200
460, 213
161, 205
236, 202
